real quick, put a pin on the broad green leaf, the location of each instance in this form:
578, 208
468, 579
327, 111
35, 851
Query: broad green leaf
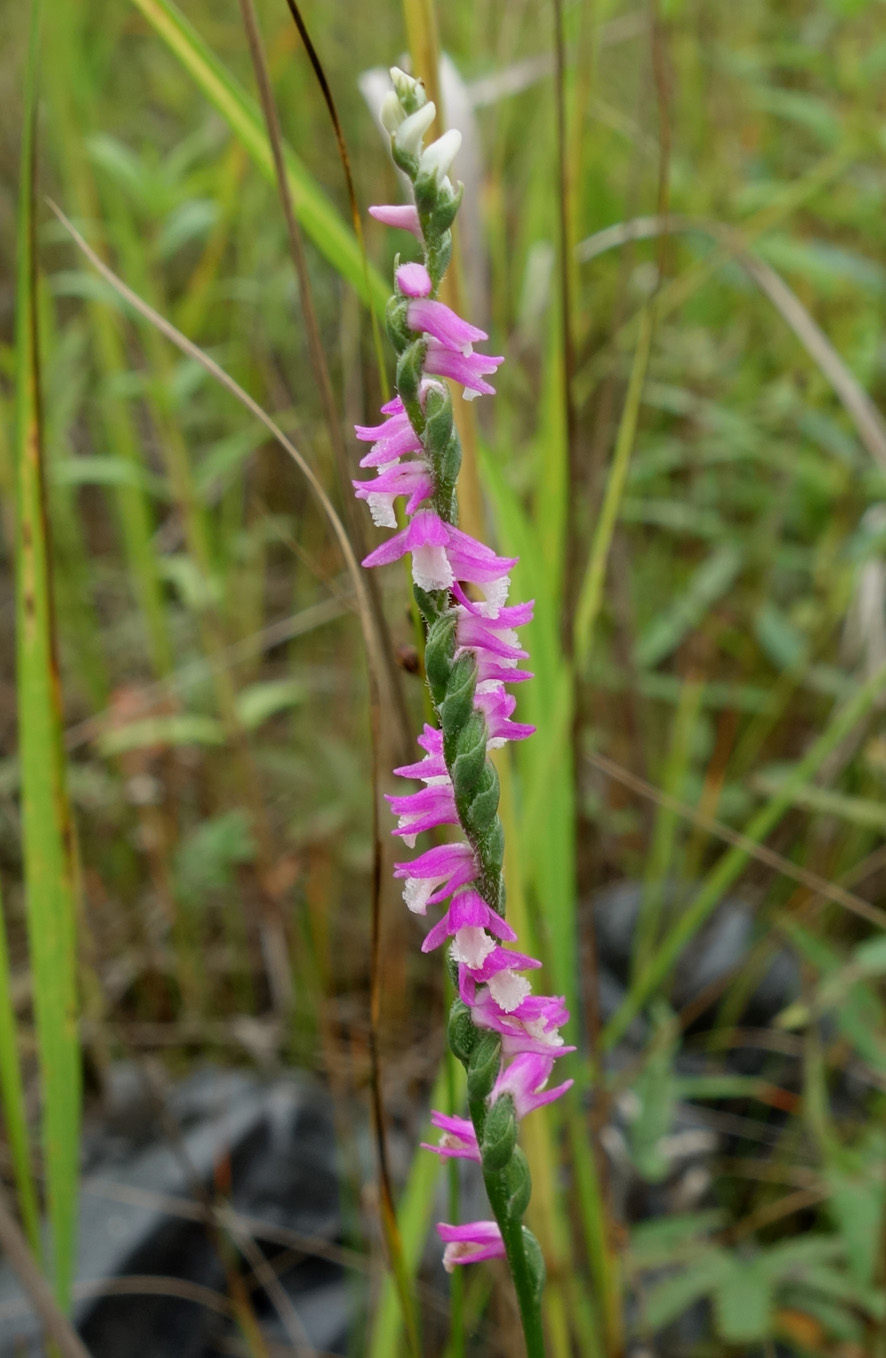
108, 471
260, 701
856, 1204
657, 1241
164, 732
743, 1302
665, 1301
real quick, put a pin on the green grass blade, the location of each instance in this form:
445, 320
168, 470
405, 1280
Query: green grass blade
591, 593
667, 828
316, 214
47, 850
727, 870
70, 95
12, 1092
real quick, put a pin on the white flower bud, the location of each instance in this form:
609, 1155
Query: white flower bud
436, 159
391, 114
406, 87
408, 136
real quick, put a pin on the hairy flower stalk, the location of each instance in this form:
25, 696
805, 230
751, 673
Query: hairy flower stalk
507, 1038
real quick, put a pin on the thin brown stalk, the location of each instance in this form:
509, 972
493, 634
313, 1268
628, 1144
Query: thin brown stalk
18, 1254
356, 215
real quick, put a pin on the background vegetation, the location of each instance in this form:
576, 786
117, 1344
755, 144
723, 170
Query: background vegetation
687, 454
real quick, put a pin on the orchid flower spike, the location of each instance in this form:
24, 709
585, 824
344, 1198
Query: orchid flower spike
507, 1037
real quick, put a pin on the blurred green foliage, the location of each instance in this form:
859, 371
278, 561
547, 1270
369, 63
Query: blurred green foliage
214, 688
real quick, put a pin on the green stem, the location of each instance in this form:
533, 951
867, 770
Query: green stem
516, 1242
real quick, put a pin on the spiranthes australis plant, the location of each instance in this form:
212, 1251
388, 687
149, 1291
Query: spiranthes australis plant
506, 1037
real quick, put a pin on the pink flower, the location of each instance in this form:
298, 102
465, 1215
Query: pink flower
433, 764
391, 439
405, 217
435, 874
468, 917
424, 810
458, 1139
477, 564
496, 704
525, 1080
499, 969
531, 1026
393, 480
468, 369
413, 280
492, 641
426, 538
437, 320
442, 554
471, 1243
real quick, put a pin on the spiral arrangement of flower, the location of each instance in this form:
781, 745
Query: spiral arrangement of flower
507, 1038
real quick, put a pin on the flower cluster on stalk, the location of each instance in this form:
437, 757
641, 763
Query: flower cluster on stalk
507, 1037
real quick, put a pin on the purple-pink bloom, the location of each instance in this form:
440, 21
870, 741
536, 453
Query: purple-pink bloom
468, 369
413, 280
394, 479
442, 554
435, 874
471, 1243
531, 1026
487, 637
433, 765
499, 970
424, 810
391, 439
458, 1137
477, 564
426, 537
468, 911
404, 216
495, 615
525, 1080
368, 433
385, 451
496, 704
438, 320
